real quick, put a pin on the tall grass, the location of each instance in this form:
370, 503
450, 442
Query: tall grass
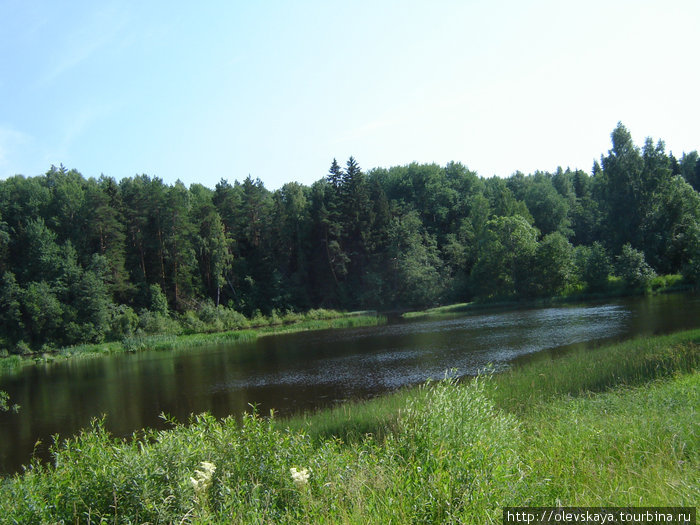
627, 447
352, 421
583, 370
10, 363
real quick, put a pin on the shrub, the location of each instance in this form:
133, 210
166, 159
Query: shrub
191, 323
593, 266
157, 323
22, 348
258, 319
233, 320
666, 282
123, 322
158, 302
633, 268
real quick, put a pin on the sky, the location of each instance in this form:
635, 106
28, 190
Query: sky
204, 91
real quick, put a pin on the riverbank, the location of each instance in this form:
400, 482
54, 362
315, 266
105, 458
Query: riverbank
165, 333
663, 284
615, 425
313, 320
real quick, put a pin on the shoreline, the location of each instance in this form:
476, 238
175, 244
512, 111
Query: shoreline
339, 320
538, 302
167, 342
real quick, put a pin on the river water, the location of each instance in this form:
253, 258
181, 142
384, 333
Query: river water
307, 370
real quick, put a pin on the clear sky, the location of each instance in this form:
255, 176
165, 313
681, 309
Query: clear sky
200, 91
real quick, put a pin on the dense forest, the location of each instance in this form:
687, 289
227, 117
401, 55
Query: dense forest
84, 260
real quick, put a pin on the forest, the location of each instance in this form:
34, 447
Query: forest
84, 260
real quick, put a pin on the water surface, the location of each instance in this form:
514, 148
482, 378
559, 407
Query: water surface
306, 370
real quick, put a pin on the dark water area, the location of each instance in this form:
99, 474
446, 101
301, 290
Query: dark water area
303, 371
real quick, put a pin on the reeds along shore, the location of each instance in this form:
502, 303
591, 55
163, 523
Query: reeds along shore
615, 425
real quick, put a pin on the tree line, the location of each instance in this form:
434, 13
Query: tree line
85, 259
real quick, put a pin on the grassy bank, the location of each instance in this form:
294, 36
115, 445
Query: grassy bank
585, 371
522, 389
330, 319
616, 425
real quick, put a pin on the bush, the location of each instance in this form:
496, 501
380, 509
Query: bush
460, 454
157, 323
633, 268
258, 319
22, 348
191, 323
317, 314
593, 266
233, 320
158, 303
291, 317
210, 318
666, 282
123, 322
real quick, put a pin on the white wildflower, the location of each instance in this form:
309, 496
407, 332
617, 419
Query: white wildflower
300, 477
202, 480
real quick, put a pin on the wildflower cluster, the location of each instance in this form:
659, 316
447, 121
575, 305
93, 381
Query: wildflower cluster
300, 477
202, 480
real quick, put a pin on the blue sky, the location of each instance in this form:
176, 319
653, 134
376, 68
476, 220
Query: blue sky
276, 90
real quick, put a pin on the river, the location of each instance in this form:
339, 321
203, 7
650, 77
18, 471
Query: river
307, 370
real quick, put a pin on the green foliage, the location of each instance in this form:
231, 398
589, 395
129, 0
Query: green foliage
43, 312
157, 323
505, 257
548, 207
39, 250
633, 269
690, 169
5, 405
4, 244
11, 323
691, 271
622, 184
123, 322
219, 471
158, 303
211, 318
76, 253
416, 279
594, 266
671, 225
667, 282
554, 267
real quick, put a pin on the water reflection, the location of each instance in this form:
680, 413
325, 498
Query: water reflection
306, 370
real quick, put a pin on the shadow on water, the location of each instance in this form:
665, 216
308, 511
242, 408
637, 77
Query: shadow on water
302, 371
